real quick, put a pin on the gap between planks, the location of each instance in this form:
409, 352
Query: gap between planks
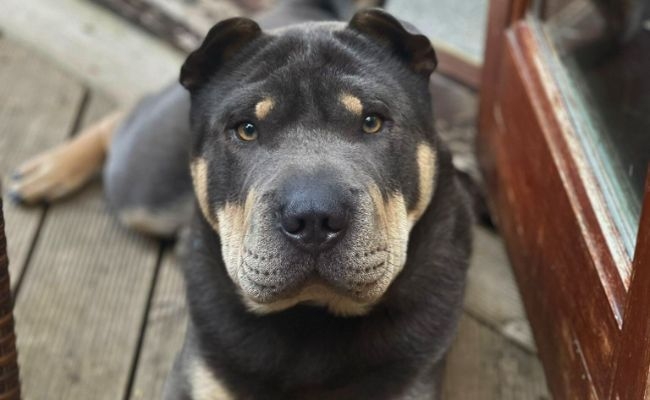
144, 323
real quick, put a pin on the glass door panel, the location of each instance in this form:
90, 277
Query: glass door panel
602, 53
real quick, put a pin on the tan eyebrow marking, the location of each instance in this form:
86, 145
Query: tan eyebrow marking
351, 103
264, 107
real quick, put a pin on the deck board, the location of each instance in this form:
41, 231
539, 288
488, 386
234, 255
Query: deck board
164, 333
483, 365
38, 105
96, 46
82, 302
492, 295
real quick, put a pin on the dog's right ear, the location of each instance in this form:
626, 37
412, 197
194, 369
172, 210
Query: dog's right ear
402, 38
223, 40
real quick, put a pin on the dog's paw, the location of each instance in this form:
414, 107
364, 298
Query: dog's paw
51, 175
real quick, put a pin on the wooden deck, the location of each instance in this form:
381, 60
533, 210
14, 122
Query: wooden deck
100, 310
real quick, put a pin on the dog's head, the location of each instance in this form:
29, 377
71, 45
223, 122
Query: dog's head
313, 155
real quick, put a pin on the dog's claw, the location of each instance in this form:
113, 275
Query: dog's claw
15, 197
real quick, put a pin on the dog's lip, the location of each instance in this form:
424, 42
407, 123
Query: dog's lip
267, 292
364, 286
355, 290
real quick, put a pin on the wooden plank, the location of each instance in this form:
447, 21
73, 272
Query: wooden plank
38, 105
632, 378
164, 333
482, 365
492, 295
181, 24
95, 45
201, 15
82, 301
173, 31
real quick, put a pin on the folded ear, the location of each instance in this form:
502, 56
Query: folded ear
223, 40
403, 39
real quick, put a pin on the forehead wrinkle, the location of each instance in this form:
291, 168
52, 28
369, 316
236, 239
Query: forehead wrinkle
300, 50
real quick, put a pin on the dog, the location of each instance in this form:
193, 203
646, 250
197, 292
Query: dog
328, 232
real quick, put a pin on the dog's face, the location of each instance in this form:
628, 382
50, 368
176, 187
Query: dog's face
313, 156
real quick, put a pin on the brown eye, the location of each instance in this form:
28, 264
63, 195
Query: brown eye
247, 131
372, 124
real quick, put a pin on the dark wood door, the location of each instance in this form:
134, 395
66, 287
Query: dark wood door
587, 295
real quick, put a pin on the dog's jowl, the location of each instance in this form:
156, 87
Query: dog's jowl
327, 256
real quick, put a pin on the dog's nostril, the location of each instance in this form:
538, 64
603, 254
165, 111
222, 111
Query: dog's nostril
313, 230
334, 224
293, 225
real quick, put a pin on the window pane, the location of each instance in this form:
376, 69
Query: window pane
604, 50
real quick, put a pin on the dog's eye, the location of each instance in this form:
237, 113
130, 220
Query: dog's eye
247, 131
372, 123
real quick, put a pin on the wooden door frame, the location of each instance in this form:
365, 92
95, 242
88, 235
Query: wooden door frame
577, 281
632, 378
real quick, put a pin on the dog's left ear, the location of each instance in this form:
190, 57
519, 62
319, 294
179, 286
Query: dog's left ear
403, 39
223, 40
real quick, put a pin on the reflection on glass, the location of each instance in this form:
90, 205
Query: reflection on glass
604, 46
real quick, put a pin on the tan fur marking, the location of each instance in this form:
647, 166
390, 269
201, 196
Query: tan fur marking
199, 169
205, 386
426, 159
264, 107
316, 294
65, 168
234, 220
393, 220
352, 103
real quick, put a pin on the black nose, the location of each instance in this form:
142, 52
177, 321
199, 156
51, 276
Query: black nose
314, 214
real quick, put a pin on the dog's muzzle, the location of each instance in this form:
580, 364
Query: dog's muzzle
319, 230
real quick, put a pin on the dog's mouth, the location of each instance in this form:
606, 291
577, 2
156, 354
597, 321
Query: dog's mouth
345, 285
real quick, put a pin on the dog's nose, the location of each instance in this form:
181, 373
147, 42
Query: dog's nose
314, 214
